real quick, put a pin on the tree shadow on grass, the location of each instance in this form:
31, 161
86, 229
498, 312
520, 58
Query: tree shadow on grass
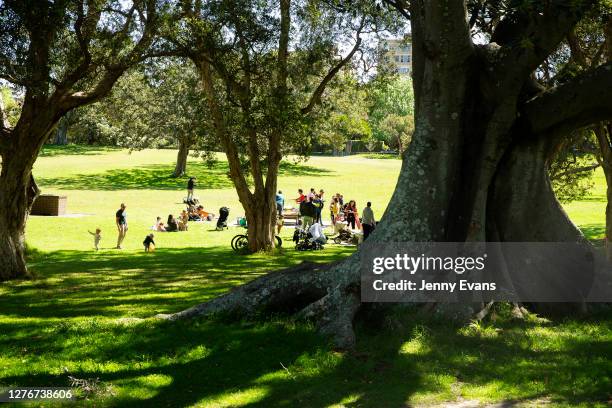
594, 233
205, 361
116, 284
75, 150
68, 315
159, 177
269, 364
68, 318
290, 169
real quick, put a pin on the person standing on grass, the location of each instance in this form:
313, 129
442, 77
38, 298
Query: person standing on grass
190, 187
367, 221
318, 204
334, 209
312, 194
280, 221
280, 202
301, 196
308, 213
97, 237
351, 214
122, 226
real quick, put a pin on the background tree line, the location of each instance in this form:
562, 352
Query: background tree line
377, 113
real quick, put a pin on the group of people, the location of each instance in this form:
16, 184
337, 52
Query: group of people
172, 224
311, 206
193, 212
310, 210
122, 228
349, 213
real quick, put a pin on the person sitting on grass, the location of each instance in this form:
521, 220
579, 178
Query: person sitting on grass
149, 244
203, 214
183, 221
97, 237
171, 225
159, 225
192, 213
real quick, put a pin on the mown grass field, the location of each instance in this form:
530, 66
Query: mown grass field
72, 319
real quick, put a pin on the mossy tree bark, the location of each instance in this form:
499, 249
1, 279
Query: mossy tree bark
476, 168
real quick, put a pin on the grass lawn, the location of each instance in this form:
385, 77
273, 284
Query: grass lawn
71, 320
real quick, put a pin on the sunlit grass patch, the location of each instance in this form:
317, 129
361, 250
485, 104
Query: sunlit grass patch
88, 315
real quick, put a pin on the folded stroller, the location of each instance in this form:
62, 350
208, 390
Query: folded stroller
222, 221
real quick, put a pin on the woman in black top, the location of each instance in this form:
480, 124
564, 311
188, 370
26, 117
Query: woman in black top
121, 221
171, 225
351, 209
190, 187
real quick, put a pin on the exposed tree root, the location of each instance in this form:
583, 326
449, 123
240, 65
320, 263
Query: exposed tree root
305, 290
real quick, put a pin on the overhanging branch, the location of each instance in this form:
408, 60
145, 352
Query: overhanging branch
315, 98
402, 6
576, 170
115, 70
584, 100
528, 36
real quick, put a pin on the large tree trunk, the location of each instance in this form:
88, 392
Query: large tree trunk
61, 134
602, 133
608, 231
261, 227
476, 169
17, 194
181, 159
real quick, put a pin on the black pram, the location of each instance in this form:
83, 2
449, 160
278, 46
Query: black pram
222, 221
303, 241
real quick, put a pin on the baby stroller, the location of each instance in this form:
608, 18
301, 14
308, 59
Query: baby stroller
222, 221
343, 236
304, 242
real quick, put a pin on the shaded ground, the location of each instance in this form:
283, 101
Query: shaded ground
71, 320
159, 177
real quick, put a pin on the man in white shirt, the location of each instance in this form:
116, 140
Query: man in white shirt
317, 233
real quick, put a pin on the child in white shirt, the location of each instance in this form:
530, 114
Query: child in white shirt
97, 237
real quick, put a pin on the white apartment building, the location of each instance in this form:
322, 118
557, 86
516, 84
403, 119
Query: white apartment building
398, 53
